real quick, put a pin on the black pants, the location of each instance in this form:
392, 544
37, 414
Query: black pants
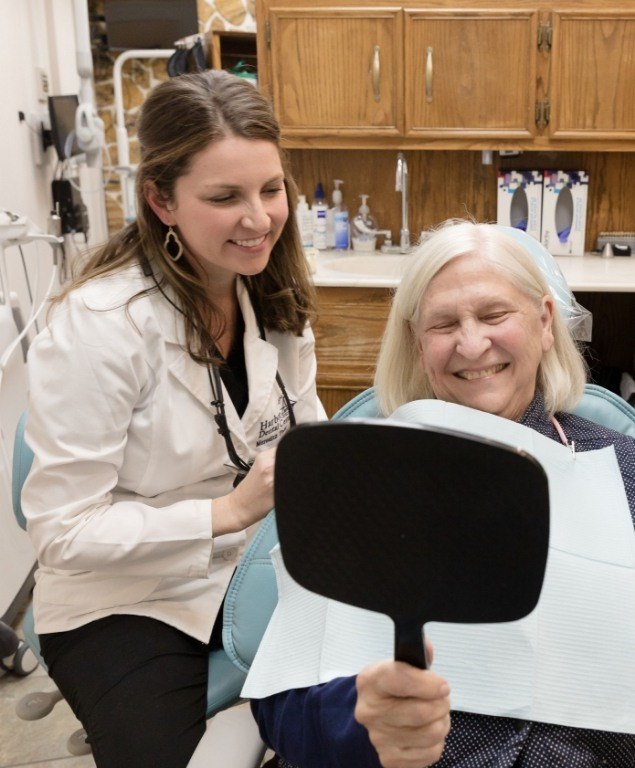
138, 686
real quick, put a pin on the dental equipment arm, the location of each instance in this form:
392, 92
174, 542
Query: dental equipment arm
18, 230
124, 168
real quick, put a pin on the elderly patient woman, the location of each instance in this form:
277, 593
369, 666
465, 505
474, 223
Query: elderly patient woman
474, 323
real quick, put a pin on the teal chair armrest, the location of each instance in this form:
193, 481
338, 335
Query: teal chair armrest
605, 407
362, 406
251, 597
224, 682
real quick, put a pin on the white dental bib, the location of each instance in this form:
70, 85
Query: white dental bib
569, 662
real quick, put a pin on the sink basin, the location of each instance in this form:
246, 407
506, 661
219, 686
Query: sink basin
371, 265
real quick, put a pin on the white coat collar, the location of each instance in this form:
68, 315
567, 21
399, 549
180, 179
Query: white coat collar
261, 359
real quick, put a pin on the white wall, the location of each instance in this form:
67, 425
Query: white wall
33, 33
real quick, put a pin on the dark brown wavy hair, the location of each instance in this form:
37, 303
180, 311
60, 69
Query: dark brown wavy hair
179, 119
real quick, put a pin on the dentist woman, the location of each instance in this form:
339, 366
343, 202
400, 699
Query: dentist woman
169, 370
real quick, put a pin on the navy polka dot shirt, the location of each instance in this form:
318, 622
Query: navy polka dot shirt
316, 728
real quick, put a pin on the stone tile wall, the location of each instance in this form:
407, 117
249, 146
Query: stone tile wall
139, 75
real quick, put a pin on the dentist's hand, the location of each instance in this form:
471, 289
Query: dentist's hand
250, 501
406, 712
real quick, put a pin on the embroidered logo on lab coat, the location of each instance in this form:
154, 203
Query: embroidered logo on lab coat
272, 429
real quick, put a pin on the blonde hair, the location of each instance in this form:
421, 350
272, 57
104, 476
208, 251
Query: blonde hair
399, 378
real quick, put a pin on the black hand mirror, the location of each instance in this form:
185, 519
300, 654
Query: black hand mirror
417, 523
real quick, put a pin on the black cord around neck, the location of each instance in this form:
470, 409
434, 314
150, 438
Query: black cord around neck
218, 400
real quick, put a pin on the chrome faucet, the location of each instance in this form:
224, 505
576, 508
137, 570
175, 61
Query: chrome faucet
401, 185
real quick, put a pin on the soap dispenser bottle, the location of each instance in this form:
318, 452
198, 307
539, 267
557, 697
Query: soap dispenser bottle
364, 228
340, 218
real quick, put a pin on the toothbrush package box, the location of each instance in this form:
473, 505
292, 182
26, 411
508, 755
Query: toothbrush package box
520, 200
564, 204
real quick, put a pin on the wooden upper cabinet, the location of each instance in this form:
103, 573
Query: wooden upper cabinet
470, 73
336, 71
592, 93
451, 74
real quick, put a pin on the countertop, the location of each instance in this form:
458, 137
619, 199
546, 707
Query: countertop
590, 272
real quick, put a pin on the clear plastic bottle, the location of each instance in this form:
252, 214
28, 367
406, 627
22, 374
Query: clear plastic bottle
319, 231
304, 218
364, 228
340, 218
330, 227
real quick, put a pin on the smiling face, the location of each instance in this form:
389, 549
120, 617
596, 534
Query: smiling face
229, 209
481, 339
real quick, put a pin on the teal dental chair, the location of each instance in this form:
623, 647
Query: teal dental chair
252, 594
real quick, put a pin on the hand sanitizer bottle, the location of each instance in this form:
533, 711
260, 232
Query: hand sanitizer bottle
340, 218
364, 228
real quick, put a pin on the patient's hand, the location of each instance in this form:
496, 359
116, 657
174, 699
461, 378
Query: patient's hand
406, 712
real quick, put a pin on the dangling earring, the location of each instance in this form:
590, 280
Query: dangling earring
173, 245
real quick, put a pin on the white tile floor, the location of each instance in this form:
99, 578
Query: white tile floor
39, 743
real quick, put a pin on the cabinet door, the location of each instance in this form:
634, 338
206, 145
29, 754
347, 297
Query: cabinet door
592, 92
336, 71
470, 73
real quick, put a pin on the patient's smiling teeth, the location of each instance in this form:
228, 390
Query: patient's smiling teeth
250, 243
470, 375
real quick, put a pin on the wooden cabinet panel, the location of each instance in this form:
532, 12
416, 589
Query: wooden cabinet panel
470, 73
337, 71
348, 335
593, 75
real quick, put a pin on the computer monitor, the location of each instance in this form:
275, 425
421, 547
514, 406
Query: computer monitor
62, 111
147, 24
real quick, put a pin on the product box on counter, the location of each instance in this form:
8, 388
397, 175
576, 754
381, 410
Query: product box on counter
520, 200
564, 203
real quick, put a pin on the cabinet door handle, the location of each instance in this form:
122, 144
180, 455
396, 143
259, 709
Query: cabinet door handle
429, 74
376, 74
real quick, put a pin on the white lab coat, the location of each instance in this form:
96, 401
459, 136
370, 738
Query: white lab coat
128, 457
